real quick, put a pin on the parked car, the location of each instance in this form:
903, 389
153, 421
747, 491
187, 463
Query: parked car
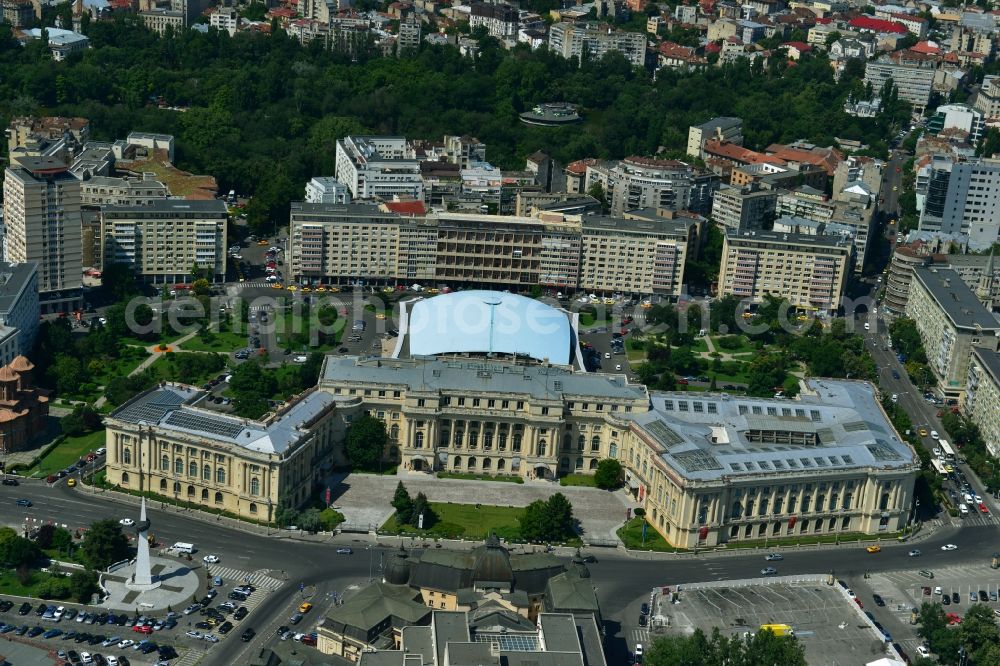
248, 635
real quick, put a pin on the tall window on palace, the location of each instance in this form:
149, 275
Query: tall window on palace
255, 486
206, 473
220, 475
127, 457
419, 440
165, 463
178, 466
193, 469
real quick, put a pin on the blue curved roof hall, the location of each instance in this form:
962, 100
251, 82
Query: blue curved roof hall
481, 321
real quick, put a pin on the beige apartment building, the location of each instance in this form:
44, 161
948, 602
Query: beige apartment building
41, 211
342, 244
712, 469
163, 239
811, 272
108, 190
168, 442
951, 321
982, 396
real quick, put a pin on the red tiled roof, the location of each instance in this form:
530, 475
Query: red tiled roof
676, 50
712, 47
801, 46
926, 47
825, 20
730, 151
284, 12
406, 207
877, 25
580, 166
907, 17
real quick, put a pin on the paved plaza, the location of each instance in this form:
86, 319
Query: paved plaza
364, 498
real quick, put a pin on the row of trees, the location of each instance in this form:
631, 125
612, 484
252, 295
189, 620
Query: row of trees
715, 649
415, 512
548, 520
975, 641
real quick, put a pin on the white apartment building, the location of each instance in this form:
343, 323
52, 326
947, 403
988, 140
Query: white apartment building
576, 40
378, 167
163, 240
961, 117
105, 190
327, 189
41, 211
988, 98
743, 208
914, 78
500, 20
224, 19
409, 35
645, 182
810, 271
728, 130
951, 322
982, 396
19, 308
970, 202
159, 19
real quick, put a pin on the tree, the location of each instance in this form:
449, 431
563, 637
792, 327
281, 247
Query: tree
422, 508
934, 629
310, 520
763, 647
286, 515
16, 551
43, 537
609, 474
402, 503
83, 585
365, 443
81, 420
104, 544
548, 520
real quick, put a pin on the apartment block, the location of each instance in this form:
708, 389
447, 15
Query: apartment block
810, 271
969, 205
378, 167
58, 137
326, 189
988, 98
409, 35
913, 77
159, 19
951, 321
579, 40
644, 182
108, 190
637, 256
982, 396
345, 244
19, 308
17, 13
164, 239
499, 19
743, 208
724, 130
43, 225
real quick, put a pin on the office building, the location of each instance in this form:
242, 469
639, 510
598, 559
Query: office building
982, 397
164, 239
43, 225
50, 136
713, 469
17, 13
499, 19
969, 204
645, 182
811, 272
951, 321
19, 308
960, 117
378, 167
743, 208
168, 441
584, 40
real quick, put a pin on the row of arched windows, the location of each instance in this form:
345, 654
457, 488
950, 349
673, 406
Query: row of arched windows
192, 469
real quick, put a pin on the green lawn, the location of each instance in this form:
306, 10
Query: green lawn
633, 352
578, 480
744, 348
226, 342
67, 452
164, 369
9, 584
588, 319
465, 520
723, 378
631, 535
699, 346
293, 331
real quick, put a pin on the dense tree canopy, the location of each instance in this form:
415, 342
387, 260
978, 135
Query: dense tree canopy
365, 444
264, 111
104, 544
700, 649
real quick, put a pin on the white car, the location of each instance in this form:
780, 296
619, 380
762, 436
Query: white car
923, 651
195, 634
211, 638
638, 649
607, 354
58, 613
949, 546
85, 658
127, 643
934, 434
914, 553
111, 660
895, 397
126, 522
211, 559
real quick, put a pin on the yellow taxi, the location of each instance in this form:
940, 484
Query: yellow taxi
306, 290
923, 432
874, 549
305, 607
380, 316
333, 290
277, 285
71, 483
321, 289
262, 242
292, 287
647, 306
432, 290
609, 301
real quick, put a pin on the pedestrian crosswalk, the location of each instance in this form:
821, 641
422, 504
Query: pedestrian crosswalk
234, 577
640, 636
255, 284
190, 657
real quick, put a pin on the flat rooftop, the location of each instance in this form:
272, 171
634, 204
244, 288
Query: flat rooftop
990, 360
794, 240
834, 425
432, 374
14, 279
172, 206
829, 626
956, 299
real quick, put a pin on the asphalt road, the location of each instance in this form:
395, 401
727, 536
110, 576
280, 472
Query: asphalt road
622, 581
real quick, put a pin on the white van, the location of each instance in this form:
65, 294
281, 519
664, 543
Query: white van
963, 510
967, 497
182, 547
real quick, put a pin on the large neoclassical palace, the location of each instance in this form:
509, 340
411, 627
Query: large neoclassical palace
494, 383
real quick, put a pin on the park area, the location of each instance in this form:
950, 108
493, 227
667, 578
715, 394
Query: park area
66, 453
468, 521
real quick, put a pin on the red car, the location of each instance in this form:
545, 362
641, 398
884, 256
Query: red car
309, 639
982, 508
143, 629
682, 382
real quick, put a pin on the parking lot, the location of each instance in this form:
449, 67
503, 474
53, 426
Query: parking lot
831, 628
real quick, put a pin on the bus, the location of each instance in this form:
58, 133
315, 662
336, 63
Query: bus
939, 467
947, 451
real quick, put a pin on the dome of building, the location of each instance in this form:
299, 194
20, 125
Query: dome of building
492, 562
8, 375
21, 364
488, 322
397, 569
